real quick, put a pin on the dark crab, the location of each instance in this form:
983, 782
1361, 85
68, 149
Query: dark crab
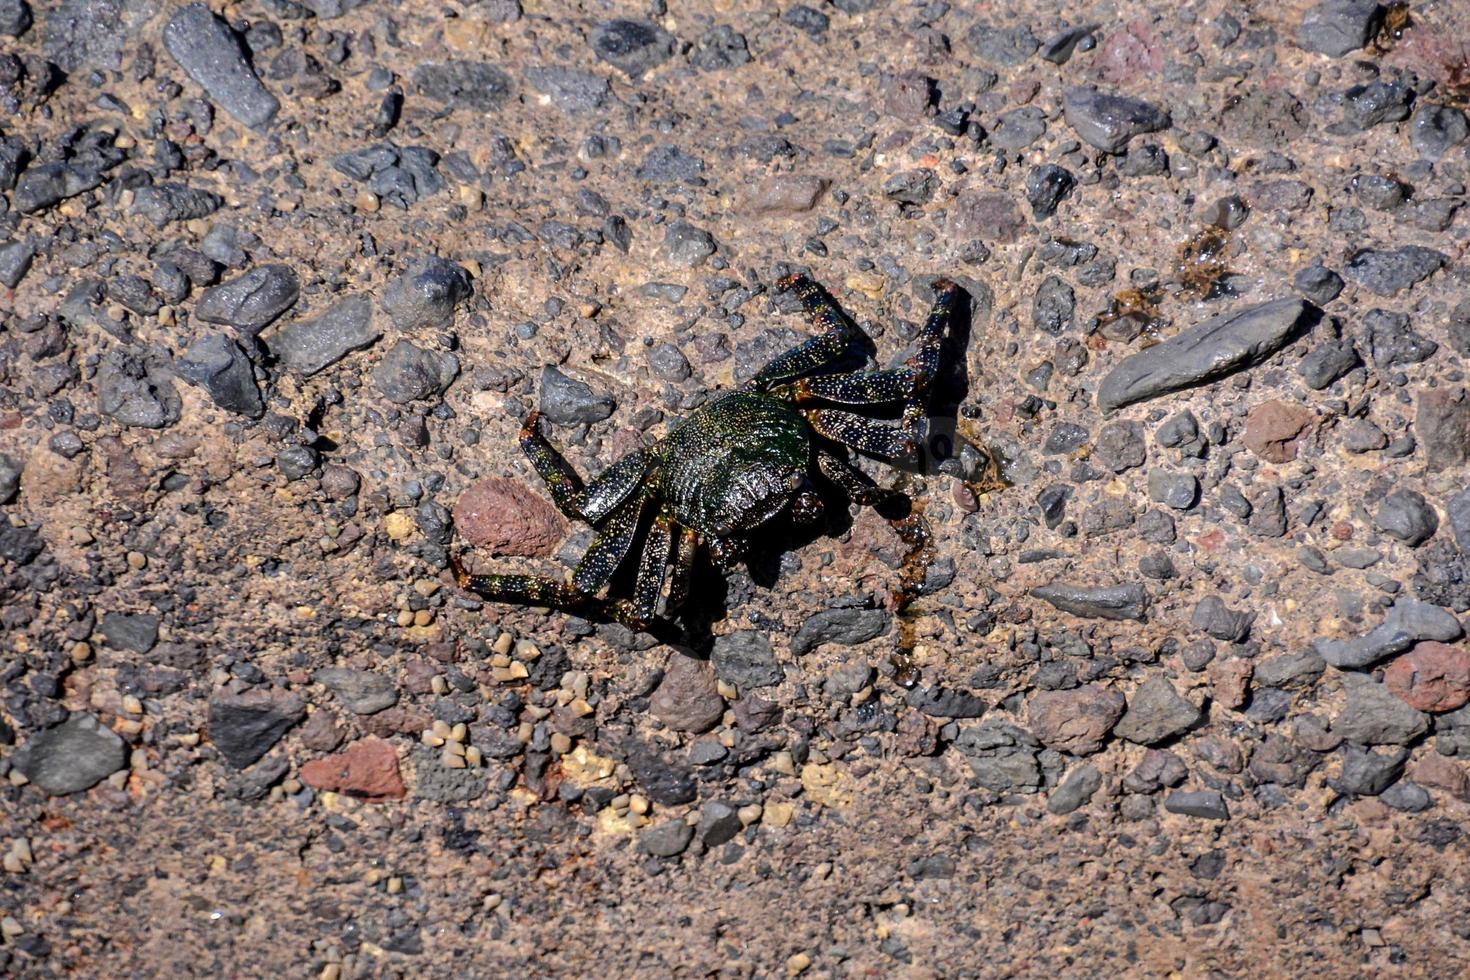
730, 467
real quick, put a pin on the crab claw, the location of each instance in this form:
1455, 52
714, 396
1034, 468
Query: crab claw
528, 427
461, 575
943, 284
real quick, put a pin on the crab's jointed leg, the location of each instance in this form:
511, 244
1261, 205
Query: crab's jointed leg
816, 352
586, 502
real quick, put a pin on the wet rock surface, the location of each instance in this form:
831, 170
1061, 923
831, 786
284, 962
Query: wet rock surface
1178, 680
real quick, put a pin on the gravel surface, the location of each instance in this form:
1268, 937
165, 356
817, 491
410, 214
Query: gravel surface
1180, 688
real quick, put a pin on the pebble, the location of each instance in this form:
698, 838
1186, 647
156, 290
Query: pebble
1046, 186
1018, 128
687, 246
1373, 716
1004, 46
721, 48
1366, 772
1076, 721
70, 757
1392, 343
572, 90
474, 85
211, 53
15, 17
1176, 490
1431, 676
1206, 804
1075, 790
252, 301
15, 261
1156, 713
634, 47
1207, 351
569, 402
1109, 121
985, 216
500, 516
137, 390
10, 470
1339, 27
409, 373
1377, 102
785, 194
366, 770
362, 692
217, 364
1442, 423
1126, 601
1437, 129
244, 727
1327, 362
1059, 47
1407, 622
687, 700
1390, 271
745, 660
1458, 509
315, 344
846, 627
718, 823
668, 839
1407, 516
426, 294
163, 204
1212, 616
1273, 430
1002, 757
135, 632
1318, 284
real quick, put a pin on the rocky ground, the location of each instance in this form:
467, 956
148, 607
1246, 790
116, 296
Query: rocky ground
1183, 693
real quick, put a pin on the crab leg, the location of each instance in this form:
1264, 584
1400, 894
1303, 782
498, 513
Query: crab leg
653, 566
608, 549
867, 388
685, 549
863, 434
850, 479
816, 352
589, 503
925, 360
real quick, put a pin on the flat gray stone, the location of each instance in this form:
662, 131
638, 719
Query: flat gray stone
75, 755
1407, 622
1129, 601
313, 345
206, 48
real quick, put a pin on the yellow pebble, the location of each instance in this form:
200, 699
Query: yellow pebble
472, 756
638, 804
366, 201
797, 964
137, 560
423, 617
405, 617
132, 705
459, 732
560, 744
398, 525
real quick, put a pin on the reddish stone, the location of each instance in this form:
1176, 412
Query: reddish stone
1076, 721
785, 194
687, 700
320, 733
506, 518
990, 216
1273, 429
397, 720
367, 770
1231, 682
1442, 424
1129, 56
1431, 677
1434, 771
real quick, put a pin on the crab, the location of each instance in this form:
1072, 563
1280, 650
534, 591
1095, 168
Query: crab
725, 472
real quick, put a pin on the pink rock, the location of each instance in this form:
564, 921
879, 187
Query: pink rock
687, 699
1231, 682
1129, 56
1273, 429
1434, 771
1431, 677
367, 770
785, 194
507, 518
988, 216
1076, 721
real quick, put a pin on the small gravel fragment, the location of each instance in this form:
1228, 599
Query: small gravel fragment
1075, 790
1407, 622
745, 659
70, 757
667, 839
1109, 121
1156, 713
686, 700
1407, 516
1339, 27
137, 632
244, 727
206, 48
1390, 271
634, 47
1128, 601
570, 402
1206, 803
216, 363
427, 294
408, 373
362, 692
251, 301
847, 627
315, 344
1373, 716
1076, 721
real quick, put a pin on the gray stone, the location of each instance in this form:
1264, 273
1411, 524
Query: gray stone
1019, 128
1290, 670
426, 294
297, 462
1268, 513
687, 699
216, 363
1437, 129
408, 373
1377, 102
720, 48
10, 470
572, 90
1157, 712
1120, 446
1390, 271
1318, 284
1391, 342
1373, 716
1458, 509
15, 17
136, 391
1176, 490
211, 54
1207, 351
15, 261
244, 727
1157, 769
1442, 423
847, 627
1407, 622
1046, 186
1407, 516
163, 204
1075, 790
362, 692
718, 823
473, 85
1220, 621
1368, 773
70, 757
1327, 362
669, 363
1002, 756
667, 164
1278, 760
1006, 46
1058, 48
847, 679
47, 184
1406, 797
251, 301
1108, 121
634, 47
945, 702
1339, 27
745, 659
1205, 803
433, 780
667, 839
135, 632
1127, 601
570, 402
315, 344
686, 245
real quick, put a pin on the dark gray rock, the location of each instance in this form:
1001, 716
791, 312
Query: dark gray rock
1339, 27
847, 627
1159, 768
473, 85
252, 301
1046, 186
362, 692
1220, 621
70, 757
165, 203
1207, 351
1377, 102
1327, 362
427, 294
217, 364
718, 823
136, 390
1204, 803
1392, 343
408, 373
10, 470
1019, 128
662, 781
1289, 671
1458, 509
634, 47
1406, 797
572, 90
667, 839
1281, 761
720, 49
1156, 713
1065, 437
915, 186
244, 727
667, 164
47, 184
807, 19
297, 462
1442, 423
570, 402
1437, 129
315, 344
1120, 446
1407, 622
135, 632
669, 363
1318, 284
944, 702
15, 261
1389, 271
211, 54
1373, 716
745, 659
686, 245
1059, 47
1127, 601
15, 17
1108, 121
1379, 192
1406, 515
1006, 46
1176, 490
1002, 756
1075, 790
1368, 773
433, 780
